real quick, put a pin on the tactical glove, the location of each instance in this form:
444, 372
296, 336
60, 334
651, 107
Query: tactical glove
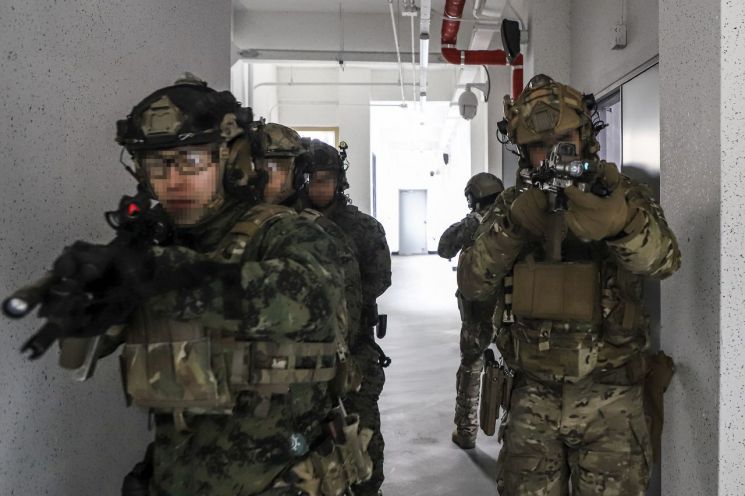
529, 211
593, 217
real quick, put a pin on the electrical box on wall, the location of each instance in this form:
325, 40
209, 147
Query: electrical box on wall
619, 37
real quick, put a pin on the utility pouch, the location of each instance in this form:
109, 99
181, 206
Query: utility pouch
660, 372
173, 365
492, 393
556, 291
335, 464
552, 353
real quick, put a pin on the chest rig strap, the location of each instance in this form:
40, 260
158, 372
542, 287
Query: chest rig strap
268, 367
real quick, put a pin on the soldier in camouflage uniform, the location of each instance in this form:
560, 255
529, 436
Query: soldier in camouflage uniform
287, 158
476, 331
580, 332
237, 358
325, 192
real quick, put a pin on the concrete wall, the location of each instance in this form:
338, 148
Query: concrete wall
691, 194
594, 65
69, 71
732, 292
550, 36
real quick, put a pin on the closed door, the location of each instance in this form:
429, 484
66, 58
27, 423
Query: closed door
412, 221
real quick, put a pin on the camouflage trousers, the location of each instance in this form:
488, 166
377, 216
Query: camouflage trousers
475, 338
365, 404
219, 456
588, 436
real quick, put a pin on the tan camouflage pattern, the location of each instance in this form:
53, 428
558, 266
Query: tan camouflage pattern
278, 285
374, 260
592, 433
281, 141
546, 107
566, 422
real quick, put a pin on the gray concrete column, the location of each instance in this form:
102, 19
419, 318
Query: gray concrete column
702, 304
549, 40
69, 71
732, 252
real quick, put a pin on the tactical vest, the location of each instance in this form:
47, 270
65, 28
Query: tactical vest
573, 317
182, 367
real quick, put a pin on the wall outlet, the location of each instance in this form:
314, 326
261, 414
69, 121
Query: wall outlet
619, 37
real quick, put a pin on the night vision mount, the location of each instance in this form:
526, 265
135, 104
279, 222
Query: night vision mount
564, 168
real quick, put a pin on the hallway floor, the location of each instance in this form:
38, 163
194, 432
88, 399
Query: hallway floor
419, 397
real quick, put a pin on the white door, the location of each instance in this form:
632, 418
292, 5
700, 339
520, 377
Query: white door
412, 226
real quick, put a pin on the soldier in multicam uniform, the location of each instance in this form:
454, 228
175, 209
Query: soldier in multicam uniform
325, 193
578, 341
236, 353
476, 331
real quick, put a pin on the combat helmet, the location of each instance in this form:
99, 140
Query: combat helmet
281, 145
321, 156
191, 113
547, 108
482, 189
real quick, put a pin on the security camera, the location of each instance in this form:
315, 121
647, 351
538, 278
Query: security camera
468, 104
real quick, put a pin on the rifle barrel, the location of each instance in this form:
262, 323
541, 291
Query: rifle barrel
24, 300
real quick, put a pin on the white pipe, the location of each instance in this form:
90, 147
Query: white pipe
398, 50
425, 11
328, 103
413, 61
330, 83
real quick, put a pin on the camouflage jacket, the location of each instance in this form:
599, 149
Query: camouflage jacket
277, 285
645, 248
373, 255
458, 235
347, 263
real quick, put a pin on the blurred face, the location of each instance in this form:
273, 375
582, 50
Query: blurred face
278, 187
185, 180
538, 152
322, 188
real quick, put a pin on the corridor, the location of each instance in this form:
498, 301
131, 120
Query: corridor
419, 396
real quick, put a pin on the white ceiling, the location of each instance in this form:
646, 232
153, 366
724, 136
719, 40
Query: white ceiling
328, 6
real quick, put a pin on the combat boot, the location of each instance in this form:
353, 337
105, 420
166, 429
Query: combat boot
463, 439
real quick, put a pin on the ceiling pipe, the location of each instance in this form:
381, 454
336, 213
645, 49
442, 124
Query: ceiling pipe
398, 50
450, 52
425, 10
331, 83
413, 61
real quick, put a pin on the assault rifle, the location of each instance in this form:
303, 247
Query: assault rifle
91, 288
564, 168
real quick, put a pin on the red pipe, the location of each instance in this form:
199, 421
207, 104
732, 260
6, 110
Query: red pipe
449, 39
517, 76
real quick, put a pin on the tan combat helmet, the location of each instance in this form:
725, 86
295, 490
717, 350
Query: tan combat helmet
546, 108
282, 145
482, 189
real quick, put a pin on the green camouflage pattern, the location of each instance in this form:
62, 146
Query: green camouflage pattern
374, 259
476, 331
278, 285
458, 235
347, 263
475, 338
592, 433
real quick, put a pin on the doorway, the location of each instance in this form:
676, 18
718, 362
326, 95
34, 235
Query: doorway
412, 221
